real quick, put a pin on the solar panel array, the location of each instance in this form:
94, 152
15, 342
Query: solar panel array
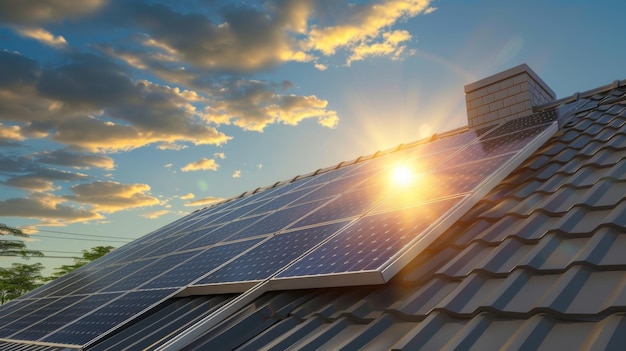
343, 226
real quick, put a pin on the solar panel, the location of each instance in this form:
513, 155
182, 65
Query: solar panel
337, 227
107, 317
266, 259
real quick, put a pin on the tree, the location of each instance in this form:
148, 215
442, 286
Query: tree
19, 279
88, 256
15, 247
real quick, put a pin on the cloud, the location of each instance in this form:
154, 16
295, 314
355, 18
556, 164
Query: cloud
201, 165
73, 159
49, 209
219, 155
26, 173
10, 134
250, 105
187, 196
390, 46
43, 36
204, 201
259, 166
37, 11
321, 66
237, 174
249, 38
91, 103
112, 196
155, 214
171, 146
362, 25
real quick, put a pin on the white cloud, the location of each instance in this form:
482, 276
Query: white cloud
237, 174
219, 155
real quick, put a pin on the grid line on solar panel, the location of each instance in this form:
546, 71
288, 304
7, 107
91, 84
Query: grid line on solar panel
222, 233
497, 145
59, 313
518, 124
13, 321
200, 265
346, 205
109, 277
369, 241
107, 317
277, 220
282, 200
270, 256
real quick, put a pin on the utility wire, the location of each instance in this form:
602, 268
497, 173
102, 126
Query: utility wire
81, 234
92, 240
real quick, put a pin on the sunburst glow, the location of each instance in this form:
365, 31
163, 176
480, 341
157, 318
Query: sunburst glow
403, 175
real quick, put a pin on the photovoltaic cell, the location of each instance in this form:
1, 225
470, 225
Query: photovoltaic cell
200, 265
344, 206
223, 233
276, 221
368, 242
27, 314
281, 200
107, 317
272, 255
59, 313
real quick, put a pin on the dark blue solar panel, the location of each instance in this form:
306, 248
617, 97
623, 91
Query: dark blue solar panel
282, 200
497, 146
276, 221
347, 205
107, 317
19, 316
57, 314
75, 280
200, 265
107, 277
222, 233
272, 255
369, 242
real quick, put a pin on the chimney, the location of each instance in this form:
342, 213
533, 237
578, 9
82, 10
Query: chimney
505, 96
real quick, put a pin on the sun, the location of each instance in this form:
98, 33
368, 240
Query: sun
403, 175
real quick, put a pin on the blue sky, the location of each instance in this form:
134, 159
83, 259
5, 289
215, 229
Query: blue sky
118, 117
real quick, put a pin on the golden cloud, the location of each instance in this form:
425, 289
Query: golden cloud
43, 36
201, 165
204, 201
112, 196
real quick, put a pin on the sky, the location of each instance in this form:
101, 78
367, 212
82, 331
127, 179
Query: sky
120, 116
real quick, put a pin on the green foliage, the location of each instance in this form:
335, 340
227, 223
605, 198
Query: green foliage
88, 256
17, 248
19, 279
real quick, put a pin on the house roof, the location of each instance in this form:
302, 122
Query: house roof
537, 263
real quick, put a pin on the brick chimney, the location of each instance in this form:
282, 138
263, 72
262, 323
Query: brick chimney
505, 96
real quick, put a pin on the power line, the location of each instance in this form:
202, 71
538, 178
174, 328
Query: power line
81, 234
81, 239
